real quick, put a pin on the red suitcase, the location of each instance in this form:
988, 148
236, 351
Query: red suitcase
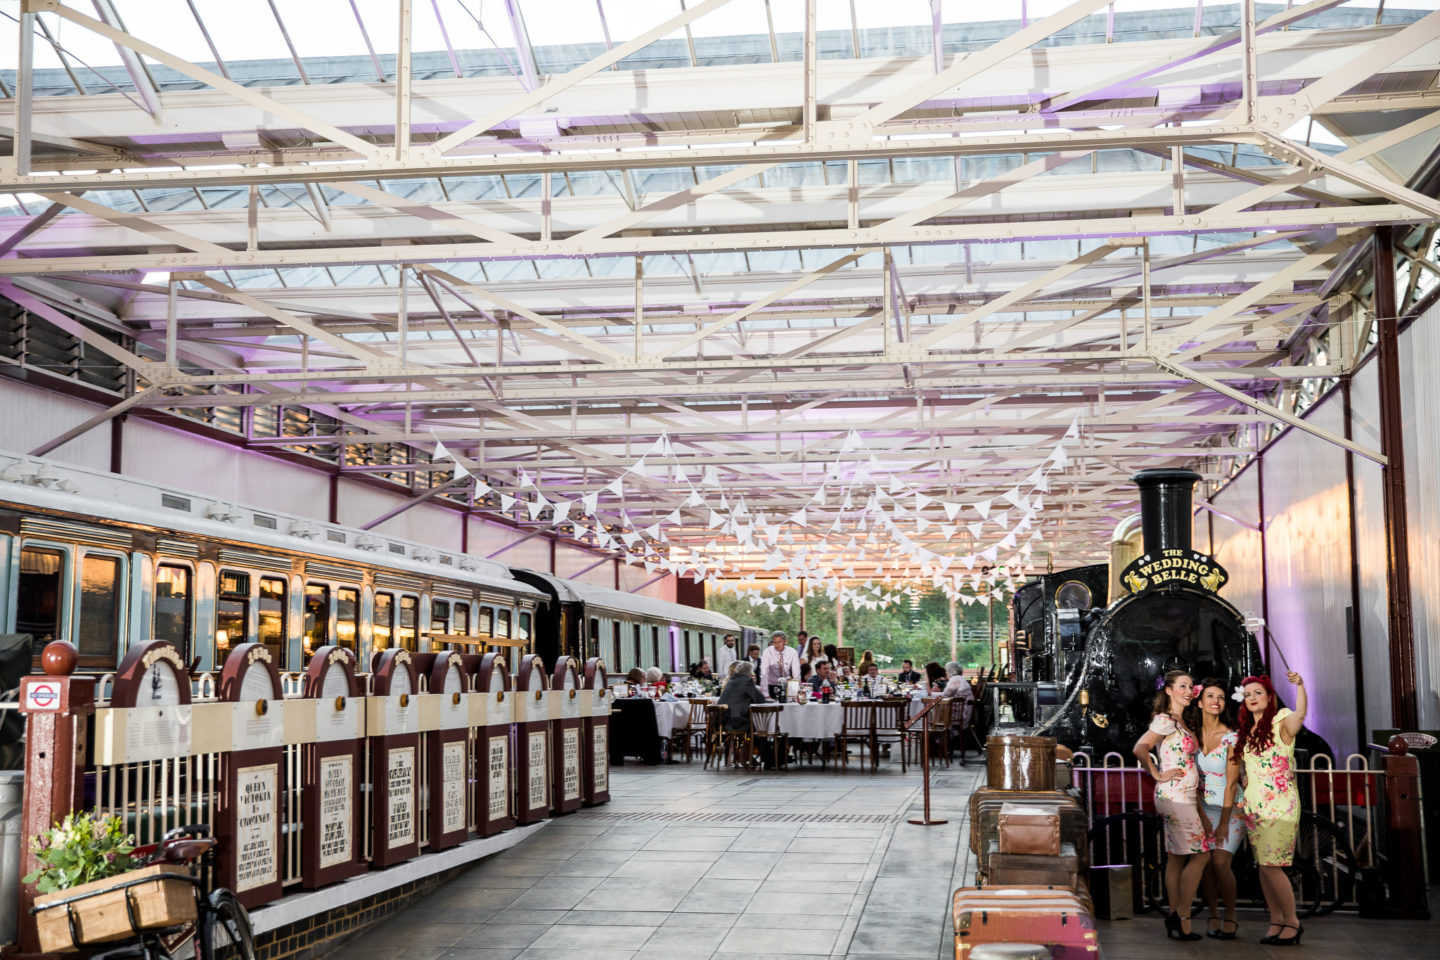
1045, 915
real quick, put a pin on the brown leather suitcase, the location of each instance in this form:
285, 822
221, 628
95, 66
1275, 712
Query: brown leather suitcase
1030, 828
985, 807
1023, 869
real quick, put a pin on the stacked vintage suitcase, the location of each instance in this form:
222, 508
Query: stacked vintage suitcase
1029, 839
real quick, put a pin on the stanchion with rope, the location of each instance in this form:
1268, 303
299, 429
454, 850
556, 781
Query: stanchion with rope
926, 820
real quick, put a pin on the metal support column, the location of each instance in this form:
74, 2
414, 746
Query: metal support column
1354, 634
1405, 714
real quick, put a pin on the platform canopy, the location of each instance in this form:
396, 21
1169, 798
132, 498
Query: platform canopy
780, 287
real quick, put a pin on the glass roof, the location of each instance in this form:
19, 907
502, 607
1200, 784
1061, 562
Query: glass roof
291, 42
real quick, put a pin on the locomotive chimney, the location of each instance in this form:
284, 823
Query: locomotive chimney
1166, 508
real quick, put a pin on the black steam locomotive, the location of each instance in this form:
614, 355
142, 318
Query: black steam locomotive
1095, 666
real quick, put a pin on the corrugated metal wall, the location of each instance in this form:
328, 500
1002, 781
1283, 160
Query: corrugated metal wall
1237, 547
1419, 361
1307, 539
1373, 621
1308, 535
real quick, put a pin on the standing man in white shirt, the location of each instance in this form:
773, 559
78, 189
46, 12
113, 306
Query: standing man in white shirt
724, 657
778, 664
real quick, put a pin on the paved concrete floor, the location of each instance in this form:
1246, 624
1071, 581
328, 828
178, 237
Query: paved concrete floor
688, 863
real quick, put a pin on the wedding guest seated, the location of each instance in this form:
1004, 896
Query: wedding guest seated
908, 673
635, 677
822, 679
739, 694
934, 677
702, 670
805, 673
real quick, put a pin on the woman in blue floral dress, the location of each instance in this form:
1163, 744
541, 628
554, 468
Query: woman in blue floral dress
1177, 780
1272, 802
1213, 720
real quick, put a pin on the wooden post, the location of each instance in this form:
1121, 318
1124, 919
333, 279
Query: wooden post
1405, 863
55, 706
1403, 699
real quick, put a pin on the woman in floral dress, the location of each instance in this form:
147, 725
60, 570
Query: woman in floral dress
1272, 802
1177, 780
1213, 720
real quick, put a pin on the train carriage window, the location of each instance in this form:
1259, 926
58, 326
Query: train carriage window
615, 642
439, 616
655, 646
487, 621
271, 610
347, 617
522, 631
636, 663
409, 621
317, 616
593, 642
502, 623
174, 604
42, 584
99, 606
462, 619
232, 611
384, 620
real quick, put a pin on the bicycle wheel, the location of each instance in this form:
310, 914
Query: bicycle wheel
225, 930
1136, 839
1323, 871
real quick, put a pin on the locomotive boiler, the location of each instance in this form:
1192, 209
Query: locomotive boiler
1100, 665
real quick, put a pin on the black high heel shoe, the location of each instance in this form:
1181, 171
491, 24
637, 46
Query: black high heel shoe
1279, 941
1222, 934
1175, 928
1210, 931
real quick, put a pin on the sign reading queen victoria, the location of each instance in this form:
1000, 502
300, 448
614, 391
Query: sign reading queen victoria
392, 719
532, 738
332, 775
492, 712
248, 858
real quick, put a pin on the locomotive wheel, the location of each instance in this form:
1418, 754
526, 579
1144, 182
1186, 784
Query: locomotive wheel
1136, 839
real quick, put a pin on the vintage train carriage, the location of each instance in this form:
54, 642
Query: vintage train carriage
105, 561
624, 629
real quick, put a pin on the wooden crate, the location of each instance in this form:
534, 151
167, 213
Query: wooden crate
100, 911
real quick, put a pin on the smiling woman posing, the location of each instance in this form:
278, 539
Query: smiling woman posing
1177, 779
1272, 802
1212, 720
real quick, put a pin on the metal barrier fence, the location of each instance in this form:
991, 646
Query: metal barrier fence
1341, 829
309, 779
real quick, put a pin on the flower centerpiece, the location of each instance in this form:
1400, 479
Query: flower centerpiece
92, 884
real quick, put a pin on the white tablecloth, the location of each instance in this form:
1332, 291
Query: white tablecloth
811, 721
669, 715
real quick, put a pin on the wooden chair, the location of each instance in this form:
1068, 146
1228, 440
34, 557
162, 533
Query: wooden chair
765, 726
890, 717
685, 739
717, 744
856, 726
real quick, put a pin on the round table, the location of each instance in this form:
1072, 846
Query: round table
811, 721
670, 715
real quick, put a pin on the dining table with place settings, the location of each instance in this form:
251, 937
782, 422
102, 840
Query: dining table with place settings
811, 721
670, 716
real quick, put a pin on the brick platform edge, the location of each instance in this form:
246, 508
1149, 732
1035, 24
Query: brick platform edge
306, 926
